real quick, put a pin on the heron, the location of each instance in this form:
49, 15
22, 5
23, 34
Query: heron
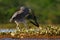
23, 14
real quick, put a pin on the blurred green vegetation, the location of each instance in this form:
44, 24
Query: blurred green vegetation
47, 11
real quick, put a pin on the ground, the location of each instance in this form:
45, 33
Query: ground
44, 31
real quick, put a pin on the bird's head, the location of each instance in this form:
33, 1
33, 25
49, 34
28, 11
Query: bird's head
22, 8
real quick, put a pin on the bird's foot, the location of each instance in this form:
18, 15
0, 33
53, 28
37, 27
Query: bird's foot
18, 28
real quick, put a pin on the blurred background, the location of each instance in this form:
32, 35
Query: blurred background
46, 11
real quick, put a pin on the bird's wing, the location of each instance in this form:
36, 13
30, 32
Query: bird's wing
14, 15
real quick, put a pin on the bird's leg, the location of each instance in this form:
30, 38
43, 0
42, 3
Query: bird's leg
17, 25
25, 24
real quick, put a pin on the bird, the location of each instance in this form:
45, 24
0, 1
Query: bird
21, 15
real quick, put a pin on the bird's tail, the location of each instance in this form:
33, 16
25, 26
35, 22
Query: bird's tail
36, 24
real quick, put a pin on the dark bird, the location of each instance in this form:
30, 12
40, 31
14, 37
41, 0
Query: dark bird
23, 14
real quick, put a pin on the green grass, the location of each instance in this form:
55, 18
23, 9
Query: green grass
13, 25
8, 25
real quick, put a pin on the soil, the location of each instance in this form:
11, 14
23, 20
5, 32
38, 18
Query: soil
22, 35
